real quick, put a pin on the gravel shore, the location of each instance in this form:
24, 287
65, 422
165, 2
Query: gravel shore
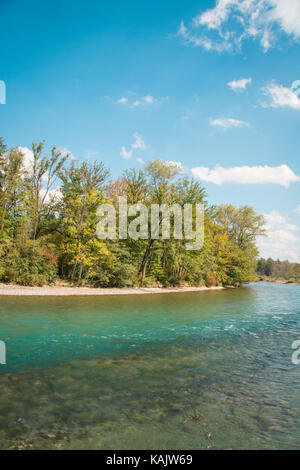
69, 291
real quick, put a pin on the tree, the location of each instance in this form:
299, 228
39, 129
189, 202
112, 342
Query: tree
82, 191
10, 180
242, 224
40, 179
160, 175
278, 269
48, 219
3, 149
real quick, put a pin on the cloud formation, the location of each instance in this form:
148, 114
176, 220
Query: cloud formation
126, 154
227, 123
27, 158
281, 175
132, 101
226, 26
238, 85
281, 97
283, 241
138, 144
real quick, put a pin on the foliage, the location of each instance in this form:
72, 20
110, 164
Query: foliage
28, 262
279, 270
48, 218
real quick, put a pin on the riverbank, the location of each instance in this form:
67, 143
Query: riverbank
6, 289
280, 281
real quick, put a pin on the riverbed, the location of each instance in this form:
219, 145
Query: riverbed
193, 370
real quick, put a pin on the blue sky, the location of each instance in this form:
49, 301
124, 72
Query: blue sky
203, 83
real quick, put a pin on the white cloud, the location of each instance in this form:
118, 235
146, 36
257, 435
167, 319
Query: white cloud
27, 158
140, 160
231, 22
238, 85
281, 97
226, 123
133, 102
149, 99
214, 17
200, 41
281, 175
122, 100
283, 241
51, 195
126, 154
138, 143
287, 14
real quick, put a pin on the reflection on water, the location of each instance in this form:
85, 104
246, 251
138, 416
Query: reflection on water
176, 371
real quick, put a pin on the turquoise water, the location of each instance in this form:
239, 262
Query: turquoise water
152, 371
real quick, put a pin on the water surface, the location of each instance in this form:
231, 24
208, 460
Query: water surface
152, 371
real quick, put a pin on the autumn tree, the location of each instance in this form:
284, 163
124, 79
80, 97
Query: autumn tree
41, 177
82, 191
10, 181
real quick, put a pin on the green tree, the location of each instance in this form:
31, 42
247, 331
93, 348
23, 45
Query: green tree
10, 181
41, 178
82, 191
48, 218
242, 224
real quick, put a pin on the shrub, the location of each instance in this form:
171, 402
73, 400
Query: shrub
210, 279
28, 263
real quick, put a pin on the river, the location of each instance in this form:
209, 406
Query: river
176, 371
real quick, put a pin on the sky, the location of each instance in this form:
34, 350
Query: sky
212, 85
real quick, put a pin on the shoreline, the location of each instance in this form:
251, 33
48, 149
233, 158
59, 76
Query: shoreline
12, 290
280, 281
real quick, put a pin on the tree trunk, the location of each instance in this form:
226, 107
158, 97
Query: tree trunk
80, 272
147, 254
74, 269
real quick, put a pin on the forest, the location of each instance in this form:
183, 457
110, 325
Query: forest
48, 218
278, 270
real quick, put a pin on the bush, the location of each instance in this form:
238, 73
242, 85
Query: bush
210, 279
28, 263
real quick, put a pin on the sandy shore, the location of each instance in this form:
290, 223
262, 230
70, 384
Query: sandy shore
69, 291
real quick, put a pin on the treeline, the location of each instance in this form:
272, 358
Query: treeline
48, 226
278, 270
